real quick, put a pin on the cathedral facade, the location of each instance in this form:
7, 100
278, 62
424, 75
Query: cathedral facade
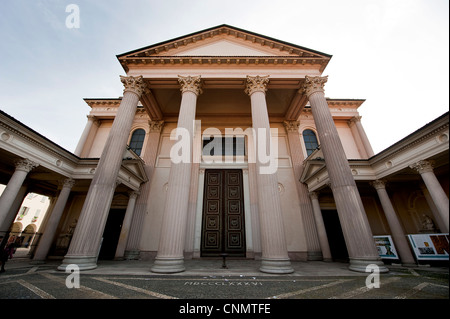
224, 144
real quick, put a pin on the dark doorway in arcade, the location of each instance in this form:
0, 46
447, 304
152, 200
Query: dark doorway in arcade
111, 234
335, 235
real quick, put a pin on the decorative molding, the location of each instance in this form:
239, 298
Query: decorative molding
378, 184
291, 126
68, 183
256, 84
133, 84
422, 166
25, 165
190, 84
314, 84
156, 126
354, 119
314, 195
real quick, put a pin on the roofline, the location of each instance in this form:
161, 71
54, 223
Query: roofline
218, 27
389, 148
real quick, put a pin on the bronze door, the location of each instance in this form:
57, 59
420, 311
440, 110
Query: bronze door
223, 227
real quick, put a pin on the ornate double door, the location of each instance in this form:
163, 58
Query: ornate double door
223, 225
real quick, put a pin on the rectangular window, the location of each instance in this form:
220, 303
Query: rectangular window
224, 146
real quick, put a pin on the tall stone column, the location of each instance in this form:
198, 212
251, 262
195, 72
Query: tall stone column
123, 238
23, 167
170, 257
52, 223
440, 199
306, 209
86, 240
355, 226
356, 122
323, 238
84, 135
273, 240
150, 154
398, 234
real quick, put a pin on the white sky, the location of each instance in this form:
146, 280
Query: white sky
393, 53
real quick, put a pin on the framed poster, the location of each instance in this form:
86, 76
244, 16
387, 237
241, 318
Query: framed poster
430, 246
385, 247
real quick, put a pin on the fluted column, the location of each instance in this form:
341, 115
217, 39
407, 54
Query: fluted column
123, 238
322, 233
150, 154
397, 232
53, 221
306, 209
84, 135
352, 216
170, 257
86, 240
23, 167
356, 121
273, 240
440, 199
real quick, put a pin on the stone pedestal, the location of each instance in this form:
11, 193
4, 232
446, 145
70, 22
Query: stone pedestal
170, 257
352, 216
86, 240
274, 257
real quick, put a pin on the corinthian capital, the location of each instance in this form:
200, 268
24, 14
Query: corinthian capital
422, 166
133, 84
25, 165
291, 126
256, 84
190, 83
314, 84
378, 184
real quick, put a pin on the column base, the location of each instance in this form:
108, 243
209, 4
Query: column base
131, 254
315, 255
168, 265
83, 262
360, 265
276, 266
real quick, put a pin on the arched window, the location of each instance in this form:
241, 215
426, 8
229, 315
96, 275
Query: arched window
137, 140
310, 139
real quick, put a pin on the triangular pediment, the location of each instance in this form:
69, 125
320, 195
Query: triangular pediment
223, 47
224, 41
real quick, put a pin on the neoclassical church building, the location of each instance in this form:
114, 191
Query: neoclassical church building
224, 144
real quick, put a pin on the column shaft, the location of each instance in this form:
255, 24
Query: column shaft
123, 238
306, 208
273, 240
86, 240
23, 167
352, 216
84, 135
440, 199
398, 235
52, 223
149, 157
170, 257
322, 233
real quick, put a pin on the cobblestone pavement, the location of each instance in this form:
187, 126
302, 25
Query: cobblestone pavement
25, 281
